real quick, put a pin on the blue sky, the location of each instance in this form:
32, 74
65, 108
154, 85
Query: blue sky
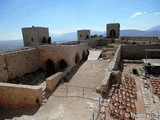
63, 16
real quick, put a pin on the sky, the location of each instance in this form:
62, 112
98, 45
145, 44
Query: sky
64, 16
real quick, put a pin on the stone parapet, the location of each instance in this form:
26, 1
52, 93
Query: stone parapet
14, 95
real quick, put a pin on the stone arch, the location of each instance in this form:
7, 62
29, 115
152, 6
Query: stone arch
77, 58
62, 64
44, 40
49, 40
87, 54
112, 33
32, 39
50, 66
87, 37
84, 56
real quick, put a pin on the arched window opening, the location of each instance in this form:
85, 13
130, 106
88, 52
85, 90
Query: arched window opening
87, 54
49, 40
84, 56
112, 33
62, 65
32, 39
50, 68
44, 40
87, 37
77, 58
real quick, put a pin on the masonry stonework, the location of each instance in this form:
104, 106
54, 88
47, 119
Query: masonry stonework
33, 36
3, 69
13, 95
20, 62
135, 52
83, 34
113, 30
57, 53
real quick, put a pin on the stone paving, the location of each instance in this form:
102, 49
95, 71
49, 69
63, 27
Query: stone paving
94, 54
79, 104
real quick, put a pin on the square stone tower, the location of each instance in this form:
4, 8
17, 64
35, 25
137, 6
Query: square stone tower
113, 30
83, 34
33, 36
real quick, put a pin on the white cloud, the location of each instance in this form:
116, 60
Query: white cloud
138, 14
157, 13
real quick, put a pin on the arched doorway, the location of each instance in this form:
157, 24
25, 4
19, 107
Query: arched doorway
87, 37
87, 54
112, 33
50, 67
44, 40
77, 58
84, 56
62, 65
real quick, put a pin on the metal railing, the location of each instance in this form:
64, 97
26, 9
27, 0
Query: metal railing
95, 114
81, 91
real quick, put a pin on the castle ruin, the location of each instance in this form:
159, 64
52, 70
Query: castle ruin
120, 88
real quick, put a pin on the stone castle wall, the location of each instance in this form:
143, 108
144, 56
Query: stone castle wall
17, 63
57, 53
139, 38
3, 69
135, 52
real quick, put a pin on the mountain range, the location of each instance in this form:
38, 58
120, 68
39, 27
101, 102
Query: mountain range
16, 44
154, 31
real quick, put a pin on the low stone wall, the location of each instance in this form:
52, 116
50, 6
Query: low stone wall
139, 38
13, 95
113, 66
97, 41
53, 80
135, 52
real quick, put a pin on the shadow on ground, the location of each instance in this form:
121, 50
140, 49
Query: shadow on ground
74, 70
10, 113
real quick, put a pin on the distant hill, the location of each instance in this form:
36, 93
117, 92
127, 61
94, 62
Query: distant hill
73, 36
139, 33
16, 44
10, 45
155, 28
64, 37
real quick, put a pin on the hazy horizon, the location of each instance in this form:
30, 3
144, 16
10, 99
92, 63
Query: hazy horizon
68, 16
